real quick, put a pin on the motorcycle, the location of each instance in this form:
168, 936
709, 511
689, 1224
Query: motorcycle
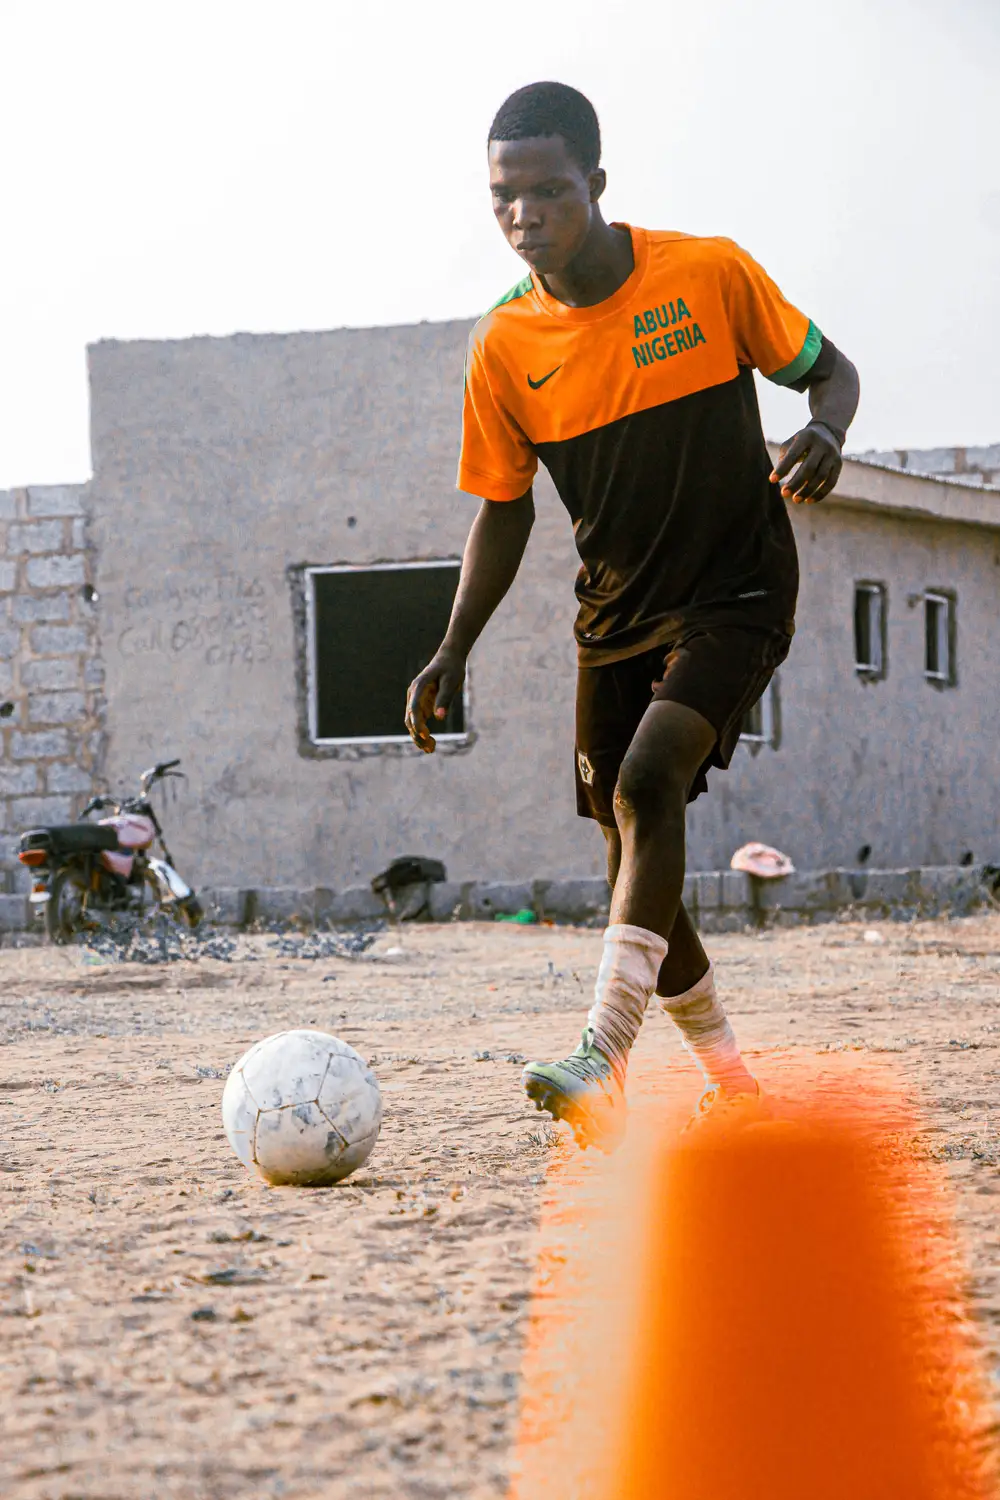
87, 873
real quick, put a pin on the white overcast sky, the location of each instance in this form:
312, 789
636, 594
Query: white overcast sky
169, 169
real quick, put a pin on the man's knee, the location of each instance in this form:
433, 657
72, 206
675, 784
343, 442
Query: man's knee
650, 792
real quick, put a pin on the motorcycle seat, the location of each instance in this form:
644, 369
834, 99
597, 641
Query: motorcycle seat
71, 838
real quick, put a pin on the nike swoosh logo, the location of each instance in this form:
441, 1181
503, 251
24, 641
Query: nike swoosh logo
535, 384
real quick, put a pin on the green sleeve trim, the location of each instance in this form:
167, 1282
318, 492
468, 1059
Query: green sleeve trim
520, 290
804, 361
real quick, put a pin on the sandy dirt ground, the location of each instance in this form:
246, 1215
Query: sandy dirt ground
171, 1327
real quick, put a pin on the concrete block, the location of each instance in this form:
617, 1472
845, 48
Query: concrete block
26, 608
571, 900
885, 888
487, 899
56, 708
8, 505
358, 903
51, 673
708, 890
690, 893
60, 640
736, 892
35, 536
18, 781
45, 742
808, 892
63, 778
93, 673
55, 500
13, 913
6, 678
10, 642
34, 812
8, 576
280, 904
225, 905
79, 534
448, 899
57, 572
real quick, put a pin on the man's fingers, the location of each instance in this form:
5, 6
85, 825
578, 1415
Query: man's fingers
796, 485
419, 703
821, 482
788, 456
446, 690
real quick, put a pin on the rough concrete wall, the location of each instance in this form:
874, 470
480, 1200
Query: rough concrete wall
899, 764
49, 665
219, 464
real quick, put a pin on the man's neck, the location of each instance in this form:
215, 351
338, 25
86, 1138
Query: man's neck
604, 263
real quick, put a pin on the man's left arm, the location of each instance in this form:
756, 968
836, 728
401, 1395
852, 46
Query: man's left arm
815, 453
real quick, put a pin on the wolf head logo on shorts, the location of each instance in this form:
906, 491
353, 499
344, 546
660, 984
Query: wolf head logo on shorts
585, 768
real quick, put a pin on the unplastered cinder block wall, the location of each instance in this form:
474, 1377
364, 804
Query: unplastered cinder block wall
50, 669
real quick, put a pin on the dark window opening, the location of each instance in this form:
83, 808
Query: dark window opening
869, 629
371, 630
758, 721
939, 638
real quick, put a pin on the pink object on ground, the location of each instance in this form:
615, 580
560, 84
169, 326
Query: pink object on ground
762, 861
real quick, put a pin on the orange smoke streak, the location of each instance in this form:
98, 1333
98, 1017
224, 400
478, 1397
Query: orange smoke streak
767, 1314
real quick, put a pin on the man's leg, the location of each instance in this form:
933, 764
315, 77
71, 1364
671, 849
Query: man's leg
686, 961
667, 750
685, 991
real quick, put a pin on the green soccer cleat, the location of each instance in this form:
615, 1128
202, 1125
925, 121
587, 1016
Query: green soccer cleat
585, 1090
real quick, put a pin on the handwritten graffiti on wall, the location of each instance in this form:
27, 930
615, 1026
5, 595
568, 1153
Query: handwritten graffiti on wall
223, 621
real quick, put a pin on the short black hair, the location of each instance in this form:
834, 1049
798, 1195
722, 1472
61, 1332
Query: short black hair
551, 109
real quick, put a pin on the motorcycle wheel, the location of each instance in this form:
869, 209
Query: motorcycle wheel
193, 910
64, 908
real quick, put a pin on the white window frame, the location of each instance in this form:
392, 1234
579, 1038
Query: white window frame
874, 593
945, 636
310, 598
766, 705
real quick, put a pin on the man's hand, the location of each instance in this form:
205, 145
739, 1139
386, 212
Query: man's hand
432, 694
816, 451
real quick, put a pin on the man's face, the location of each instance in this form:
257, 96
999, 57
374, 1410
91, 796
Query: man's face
543, 199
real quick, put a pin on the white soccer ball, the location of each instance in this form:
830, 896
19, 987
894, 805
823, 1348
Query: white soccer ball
302, 1107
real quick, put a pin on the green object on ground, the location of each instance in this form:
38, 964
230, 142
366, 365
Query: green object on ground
523, 917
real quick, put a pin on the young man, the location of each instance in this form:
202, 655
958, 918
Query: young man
624, 362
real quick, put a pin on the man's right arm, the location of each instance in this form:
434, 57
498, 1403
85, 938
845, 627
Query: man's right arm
492, 557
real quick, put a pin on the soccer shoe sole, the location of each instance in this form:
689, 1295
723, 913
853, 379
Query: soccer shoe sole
589, 1128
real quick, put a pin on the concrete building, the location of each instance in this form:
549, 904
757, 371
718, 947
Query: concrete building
257, 506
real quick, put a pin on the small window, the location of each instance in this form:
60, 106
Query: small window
869, 629
758, 722
939, 638
370, 631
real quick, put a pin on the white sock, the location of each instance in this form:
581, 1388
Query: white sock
709, 1037
626, 979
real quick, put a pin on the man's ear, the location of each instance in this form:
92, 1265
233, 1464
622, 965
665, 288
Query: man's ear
598, 181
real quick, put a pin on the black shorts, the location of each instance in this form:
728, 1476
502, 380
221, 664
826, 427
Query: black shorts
719, 671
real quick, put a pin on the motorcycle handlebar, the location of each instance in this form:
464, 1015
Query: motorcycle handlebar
162, 768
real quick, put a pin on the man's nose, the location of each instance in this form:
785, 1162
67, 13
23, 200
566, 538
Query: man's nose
526, 214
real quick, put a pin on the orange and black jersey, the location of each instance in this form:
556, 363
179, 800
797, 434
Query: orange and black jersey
643, 409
